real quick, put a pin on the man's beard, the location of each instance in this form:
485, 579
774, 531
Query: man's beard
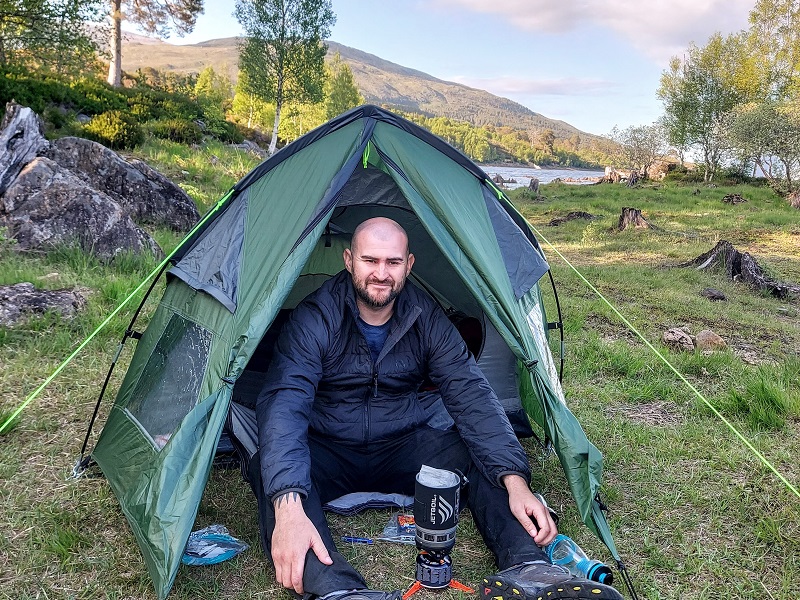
362, 291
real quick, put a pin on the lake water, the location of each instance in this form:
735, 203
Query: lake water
523, 175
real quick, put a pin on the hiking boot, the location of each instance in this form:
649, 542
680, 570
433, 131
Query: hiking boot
541, 580
363, 595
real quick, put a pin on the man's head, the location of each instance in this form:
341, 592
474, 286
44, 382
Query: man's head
379, 261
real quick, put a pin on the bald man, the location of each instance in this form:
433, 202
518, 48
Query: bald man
339, 413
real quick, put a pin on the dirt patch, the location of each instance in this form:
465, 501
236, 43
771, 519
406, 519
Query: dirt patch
654, 414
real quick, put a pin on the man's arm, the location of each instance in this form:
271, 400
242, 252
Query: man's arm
470, 400
294, 534
531, 513
283, 410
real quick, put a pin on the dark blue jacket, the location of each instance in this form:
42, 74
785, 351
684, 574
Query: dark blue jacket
322, 378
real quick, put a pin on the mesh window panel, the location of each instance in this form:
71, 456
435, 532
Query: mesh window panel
170, 382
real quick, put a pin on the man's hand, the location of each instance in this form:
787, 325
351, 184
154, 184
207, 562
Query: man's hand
294, 534
525, 507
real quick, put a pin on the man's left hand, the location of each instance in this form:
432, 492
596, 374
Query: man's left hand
531, 513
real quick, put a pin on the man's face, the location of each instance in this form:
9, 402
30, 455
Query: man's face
379, 263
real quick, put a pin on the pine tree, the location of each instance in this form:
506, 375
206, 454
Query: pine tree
155, 17
342, 92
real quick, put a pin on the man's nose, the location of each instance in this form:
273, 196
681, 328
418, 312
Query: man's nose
381, 270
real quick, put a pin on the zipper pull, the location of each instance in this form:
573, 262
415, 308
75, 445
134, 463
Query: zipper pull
374, 384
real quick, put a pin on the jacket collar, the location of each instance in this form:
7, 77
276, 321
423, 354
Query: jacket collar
406, 309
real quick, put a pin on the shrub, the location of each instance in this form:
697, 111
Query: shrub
115, 129
176, 130
94, 97
224, 131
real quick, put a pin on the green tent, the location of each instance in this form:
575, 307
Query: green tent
275, 237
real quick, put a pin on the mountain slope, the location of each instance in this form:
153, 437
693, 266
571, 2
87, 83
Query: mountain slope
381, 82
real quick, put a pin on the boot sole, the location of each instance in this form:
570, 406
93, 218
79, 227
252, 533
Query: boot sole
500, 588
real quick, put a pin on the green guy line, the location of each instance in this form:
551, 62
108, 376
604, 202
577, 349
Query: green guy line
674, 370
108, 319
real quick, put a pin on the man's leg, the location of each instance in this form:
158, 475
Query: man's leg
525, 573
318, 579
503, 534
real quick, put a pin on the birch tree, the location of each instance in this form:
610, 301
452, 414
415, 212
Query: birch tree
283, 53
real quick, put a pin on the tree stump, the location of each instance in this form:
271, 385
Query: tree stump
533, 185
633, 179
632, 217
741, 266
794, 199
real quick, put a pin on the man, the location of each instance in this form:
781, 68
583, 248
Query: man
339, 414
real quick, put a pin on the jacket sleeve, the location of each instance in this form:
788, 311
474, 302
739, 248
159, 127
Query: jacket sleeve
285, 402
479, 416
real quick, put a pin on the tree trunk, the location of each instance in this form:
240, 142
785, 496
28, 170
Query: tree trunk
273, 143
632, 217
742, 267
115, 66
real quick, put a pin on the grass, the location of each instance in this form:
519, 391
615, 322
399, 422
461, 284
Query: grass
694, 514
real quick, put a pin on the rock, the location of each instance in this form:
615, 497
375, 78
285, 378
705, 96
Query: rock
19, 301
733, 199
21, 140
708, 340
678, 339
47, 206
148, 196
713, 294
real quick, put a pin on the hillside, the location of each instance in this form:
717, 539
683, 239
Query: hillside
380, 82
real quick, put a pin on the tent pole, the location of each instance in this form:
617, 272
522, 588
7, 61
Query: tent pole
84, 461
559, 325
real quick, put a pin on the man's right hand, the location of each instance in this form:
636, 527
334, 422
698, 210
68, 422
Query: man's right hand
294, 534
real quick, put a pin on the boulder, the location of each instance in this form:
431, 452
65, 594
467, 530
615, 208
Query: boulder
678, 339
148, 196
709, 341
47, 206
21, 140
21, 300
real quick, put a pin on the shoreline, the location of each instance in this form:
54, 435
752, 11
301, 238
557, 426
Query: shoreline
486, 166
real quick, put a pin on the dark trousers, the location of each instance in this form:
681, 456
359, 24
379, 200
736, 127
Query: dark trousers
391, 467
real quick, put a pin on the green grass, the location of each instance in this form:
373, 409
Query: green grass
694, 514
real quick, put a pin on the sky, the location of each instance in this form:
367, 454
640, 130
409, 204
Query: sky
594, 64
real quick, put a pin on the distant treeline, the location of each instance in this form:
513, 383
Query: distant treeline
489, 143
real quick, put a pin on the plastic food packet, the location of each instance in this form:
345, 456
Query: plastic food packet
211, 545
399, 529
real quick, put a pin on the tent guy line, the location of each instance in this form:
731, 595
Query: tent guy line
696, 392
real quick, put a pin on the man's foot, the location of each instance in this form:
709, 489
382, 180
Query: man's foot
542, 581
363, 595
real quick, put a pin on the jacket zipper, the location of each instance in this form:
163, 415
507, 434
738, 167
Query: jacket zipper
374, 394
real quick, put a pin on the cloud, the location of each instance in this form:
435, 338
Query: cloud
656, 28
517, 86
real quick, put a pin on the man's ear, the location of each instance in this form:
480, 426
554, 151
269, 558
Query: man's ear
410, 263
348, 260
